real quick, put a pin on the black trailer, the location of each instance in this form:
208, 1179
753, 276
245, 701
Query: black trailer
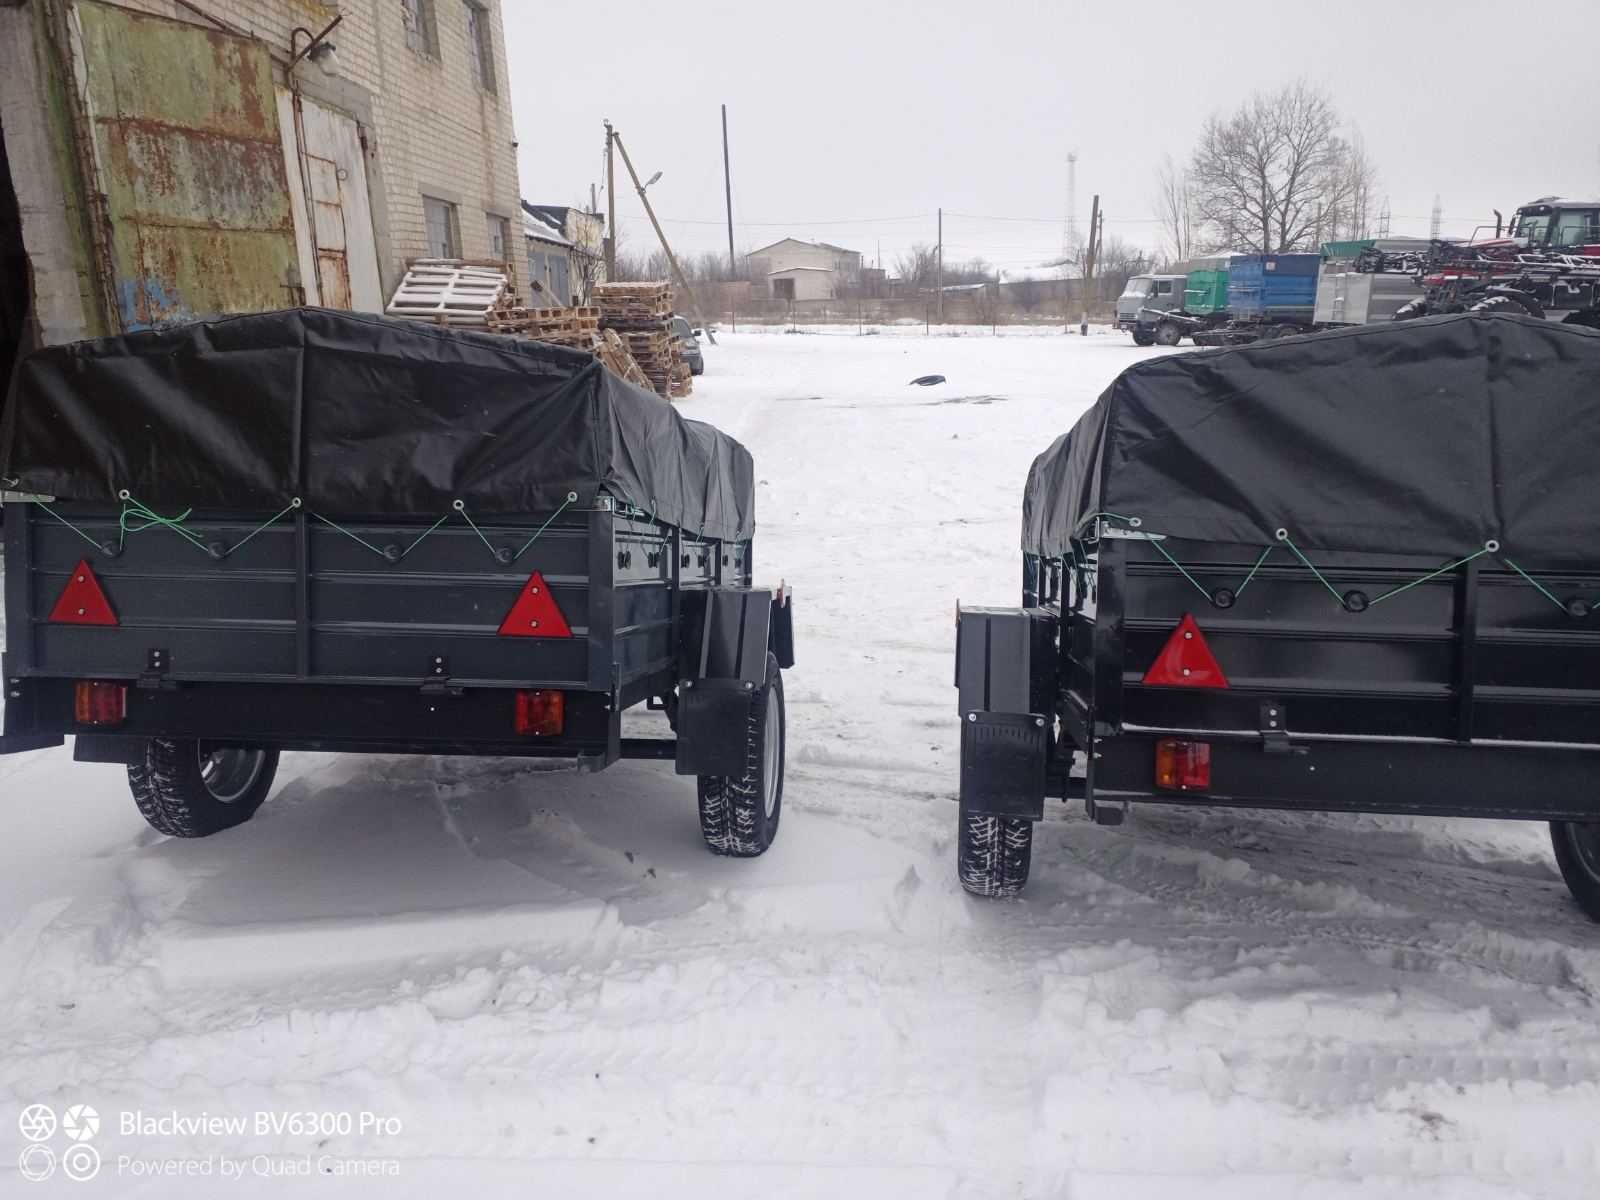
1353, 571
312, 530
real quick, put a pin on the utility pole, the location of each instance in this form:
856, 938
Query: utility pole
940, 276
611, 209
727, 187
672, 259
1095, 227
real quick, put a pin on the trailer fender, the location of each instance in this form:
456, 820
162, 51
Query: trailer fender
1006, 674
722, 661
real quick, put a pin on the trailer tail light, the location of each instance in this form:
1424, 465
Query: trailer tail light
96, 702
535, 614
1186, 660
83, 601
1183, 766
540, 713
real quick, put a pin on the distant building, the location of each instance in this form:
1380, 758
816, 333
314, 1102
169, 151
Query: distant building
565, 251
794, 270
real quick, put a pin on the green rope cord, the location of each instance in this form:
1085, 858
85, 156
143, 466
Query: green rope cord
423, 534
133, 510
572, 498
461, 507
1198, 586
1460, 562
70, 525
1544, 591
293, 504
1239, 591
1283, 536
354, 537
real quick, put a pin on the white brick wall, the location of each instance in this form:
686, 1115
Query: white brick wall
433, 129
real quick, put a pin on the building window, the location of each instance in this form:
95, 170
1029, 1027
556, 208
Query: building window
422, 27
444, 230
480, 45
499, 236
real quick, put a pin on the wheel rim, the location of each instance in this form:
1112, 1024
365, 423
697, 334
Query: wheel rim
1585, 842
229, 771
769, 754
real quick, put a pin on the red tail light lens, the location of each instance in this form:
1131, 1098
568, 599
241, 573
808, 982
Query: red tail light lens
95, 702
541, 714
1183, 766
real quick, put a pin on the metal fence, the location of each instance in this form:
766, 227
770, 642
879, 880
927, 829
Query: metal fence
968, 312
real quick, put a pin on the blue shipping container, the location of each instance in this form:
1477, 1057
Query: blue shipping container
1273, 287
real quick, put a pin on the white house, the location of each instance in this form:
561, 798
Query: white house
794, 270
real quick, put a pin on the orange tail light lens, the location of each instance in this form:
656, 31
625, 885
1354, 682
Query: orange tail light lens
541, 714
1183, 766
95, 702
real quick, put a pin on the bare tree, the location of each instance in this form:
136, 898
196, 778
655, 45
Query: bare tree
1270, 177
918, 267
1175, 211
1355, 218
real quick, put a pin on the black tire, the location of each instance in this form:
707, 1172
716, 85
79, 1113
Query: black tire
193, 789
739, 816
1411, 309
993, 853
1517, 305
697, 369
1168, 333
1143, 338
1577, 846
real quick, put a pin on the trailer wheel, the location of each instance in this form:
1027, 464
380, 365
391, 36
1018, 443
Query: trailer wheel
1168, 334
993, 853
1411, 309
739, 816
1143, 337
1577, 846
193, 789
1509, 303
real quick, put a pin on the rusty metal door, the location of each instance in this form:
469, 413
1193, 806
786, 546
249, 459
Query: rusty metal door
327, 165
184, 140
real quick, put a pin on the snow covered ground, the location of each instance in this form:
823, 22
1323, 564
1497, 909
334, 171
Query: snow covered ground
541, 984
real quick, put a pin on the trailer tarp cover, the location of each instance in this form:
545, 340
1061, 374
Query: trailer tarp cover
358, 414
1428, 437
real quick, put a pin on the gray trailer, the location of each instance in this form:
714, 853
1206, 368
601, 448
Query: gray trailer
438, 543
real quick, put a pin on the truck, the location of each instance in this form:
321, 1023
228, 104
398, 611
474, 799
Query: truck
1160, 310
318, 530
1269, 296
1331, 573
1546, 264
1348, 294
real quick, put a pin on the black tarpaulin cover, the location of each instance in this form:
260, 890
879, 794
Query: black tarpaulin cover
358, 414
1427, 437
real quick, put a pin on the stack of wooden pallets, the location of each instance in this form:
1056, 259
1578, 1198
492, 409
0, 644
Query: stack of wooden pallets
575, 328
641, 315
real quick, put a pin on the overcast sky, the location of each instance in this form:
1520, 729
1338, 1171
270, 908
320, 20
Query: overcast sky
853, 121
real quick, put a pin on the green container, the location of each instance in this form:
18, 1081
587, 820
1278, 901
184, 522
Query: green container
1206, 292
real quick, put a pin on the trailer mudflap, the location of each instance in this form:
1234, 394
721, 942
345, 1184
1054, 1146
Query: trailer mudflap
722, 668
1004, 761
20, 731
1006, 677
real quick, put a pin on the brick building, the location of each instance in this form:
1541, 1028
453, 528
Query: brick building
185, 158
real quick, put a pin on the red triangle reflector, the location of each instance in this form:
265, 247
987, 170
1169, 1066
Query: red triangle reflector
535, 614
1186, 660
83, 602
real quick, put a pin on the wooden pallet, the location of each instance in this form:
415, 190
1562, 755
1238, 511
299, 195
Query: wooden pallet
449, 292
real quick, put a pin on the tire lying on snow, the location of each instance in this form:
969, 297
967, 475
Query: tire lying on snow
192, 789
739, 814
993, 853
1577, 847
